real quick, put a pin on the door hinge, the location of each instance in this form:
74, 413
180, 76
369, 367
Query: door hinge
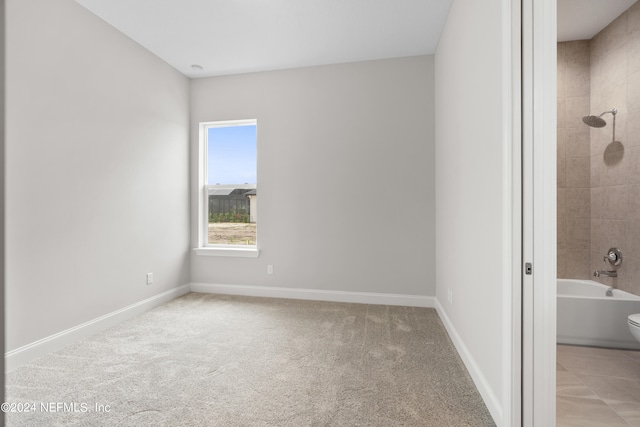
528, 268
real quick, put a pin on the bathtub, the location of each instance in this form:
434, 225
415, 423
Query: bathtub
586, 316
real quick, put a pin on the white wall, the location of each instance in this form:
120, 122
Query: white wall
97, 170
2, 197
345, 175
471, 126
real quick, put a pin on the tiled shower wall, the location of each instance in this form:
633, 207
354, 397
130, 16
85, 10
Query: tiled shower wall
615, 166
574, 204
600, 209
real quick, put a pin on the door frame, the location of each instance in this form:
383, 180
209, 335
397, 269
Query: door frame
539, 222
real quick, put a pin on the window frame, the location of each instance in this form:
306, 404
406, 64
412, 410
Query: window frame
204, 247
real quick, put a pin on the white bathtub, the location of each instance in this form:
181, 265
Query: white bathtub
586, 316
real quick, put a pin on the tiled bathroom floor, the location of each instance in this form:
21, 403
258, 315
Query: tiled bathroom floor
597, 387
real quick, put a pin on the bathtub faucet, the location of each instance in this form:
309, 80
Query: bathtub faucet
605, 273
613, 257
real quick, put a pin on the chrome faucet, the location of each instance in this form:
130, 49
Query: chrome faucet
613, 257
606, 273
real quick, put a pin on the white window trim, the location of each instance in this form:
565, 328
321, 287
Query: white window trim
204, 248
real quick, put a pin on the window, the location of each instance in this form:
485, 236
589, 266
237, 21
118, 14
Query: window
228, 184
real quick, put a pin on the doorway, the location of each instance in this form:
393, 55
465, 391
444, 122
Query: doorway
598, 157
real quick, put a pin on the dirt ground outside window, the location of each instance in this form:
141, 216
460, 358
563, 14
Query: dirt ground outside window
232, 233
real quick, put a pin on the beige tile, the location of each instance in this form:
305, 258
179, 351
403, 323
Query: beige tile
633, 87
633, 20
610, 367
581, 412
628, 275
562, 123
561, 176
562, 263
632, 239
613, 388
578, 233
612, 96
617, 202
561, 48
598, 201
577, 173
633, 129
590, 352
576, 108
612, 37
633, 54
632, 165
578, 264
614, 34
606, 97
596, 169
608, 71
633, 354
630, 412
567, 384
577, 141
577, 81
606, 234
633, 206
561, 143
559, 367
610, 168
562, 234
577, 53
561, 78
578, 203
562, 203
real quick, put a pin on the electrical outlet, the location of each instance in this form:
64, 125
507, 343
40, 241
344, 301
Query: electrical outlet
269, 269
450, 296
149, 278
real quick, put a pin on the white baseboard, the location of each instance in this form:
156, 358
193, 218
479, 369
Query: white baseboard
487, 393
25, 354
316, 295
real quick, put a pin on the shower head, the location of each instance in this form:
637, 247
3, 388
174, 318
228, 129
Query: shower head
598, 121
594, 121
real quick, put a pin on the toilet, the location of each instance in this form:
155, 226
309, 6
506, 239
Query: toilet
634, 325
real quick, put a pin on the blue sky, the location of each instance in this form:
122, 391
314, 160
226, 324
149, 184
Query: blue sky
232, 155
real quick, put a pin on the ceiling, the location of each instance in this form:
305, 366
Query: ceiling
583, 19
239, 36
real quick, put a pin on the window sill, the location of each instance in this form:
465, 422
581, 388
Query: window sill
248, 252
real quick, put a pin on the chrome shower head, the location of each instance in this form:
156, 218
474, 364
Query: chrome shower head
598, 121
594, 121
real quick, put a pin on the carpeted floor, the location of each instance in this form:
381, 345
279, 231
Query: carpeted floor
214, 360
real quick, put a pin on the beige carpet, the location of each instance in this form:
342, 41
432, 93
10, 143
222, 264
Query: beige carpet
212, 360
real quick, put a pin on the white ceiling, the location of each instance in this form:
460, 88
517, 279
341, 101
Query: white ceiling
239, 36
583, 19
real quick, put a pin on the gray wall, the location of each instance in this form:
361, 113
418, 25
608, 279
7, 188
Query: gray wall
472, 189
97, 170
345, 175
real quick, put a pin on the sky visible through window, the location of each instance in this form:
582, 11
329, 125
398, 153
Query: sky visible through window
231, 155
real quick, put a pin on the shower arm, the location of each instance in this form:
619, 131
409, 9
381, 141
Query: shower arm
613, 113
